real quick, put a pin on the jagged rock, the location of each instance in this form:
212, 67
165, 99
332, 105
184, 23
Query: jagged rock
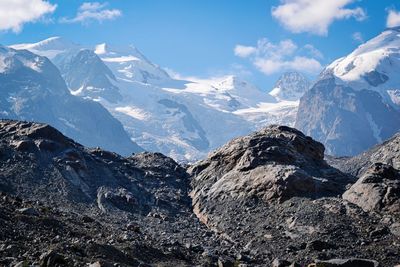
377, 190
346, 263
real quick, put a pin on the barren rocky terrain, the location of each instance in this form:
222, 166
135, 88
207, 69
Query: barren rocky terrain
266, 199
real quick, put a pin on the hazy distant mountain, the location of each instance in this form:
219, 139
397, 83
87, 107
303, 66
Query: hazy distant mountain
355, 102
32, 89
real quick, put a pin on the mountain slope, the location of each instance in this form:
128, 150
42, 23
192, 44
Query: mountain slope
353, 105
33, 89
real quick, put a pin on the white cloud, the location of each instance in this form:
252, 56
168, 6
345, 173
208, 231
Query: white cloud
314, 16
93, 11
271, 58
393, 18
244, 51
15, 13
357, 36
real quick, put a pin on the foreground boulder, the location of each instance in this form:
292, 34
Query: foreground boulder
276, 163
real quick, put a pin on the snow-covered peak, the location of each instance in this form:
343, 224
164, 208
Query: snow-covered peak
13, 59
129, 51
128, 63
50, 47
290, 86
374, 65
243, 91
233, 82
52, 43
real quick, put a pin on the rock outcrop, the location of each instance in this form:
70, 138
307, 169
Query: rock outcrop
377, 190
276, 163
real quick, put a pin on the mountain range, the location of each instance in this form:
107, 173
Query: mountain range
33, 89
180, 118
352, 105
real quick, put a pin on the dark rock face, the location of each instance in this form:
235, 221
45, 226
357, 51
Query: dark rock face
346, 121
377, 190
40, 94
65, 172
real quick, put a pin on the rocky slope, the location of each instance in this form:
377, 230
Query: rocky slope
387, 152
83, 205
267, 199
32, 89
272, 191
354, 104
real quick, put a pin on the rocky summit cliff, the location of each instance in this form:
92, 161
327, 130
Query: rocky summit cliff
266, 199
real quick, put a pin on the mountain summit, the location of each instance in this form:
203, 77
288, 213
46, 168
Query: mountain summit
355, 102
290, 86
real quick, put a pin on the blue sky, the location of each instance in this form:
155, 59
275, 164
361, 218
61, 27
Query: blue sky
199, 37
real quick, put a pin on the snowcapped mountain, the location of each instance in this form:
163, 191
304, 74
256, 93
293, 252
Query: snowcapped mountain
130, 62
182, 119
373, 66
32, 89
291, 86
355, 102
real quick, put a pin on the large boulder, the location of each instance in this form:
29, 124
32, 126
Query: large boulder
377, 190
274, 164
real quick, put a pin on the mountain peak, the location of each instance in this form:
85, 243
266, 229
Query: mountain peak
290, 86
232, 81
52, 43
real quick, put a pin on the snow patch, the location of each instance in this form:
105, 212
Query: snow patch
133, 112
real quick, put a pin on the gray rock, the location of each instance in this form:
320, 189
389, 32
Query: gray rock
377, 190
